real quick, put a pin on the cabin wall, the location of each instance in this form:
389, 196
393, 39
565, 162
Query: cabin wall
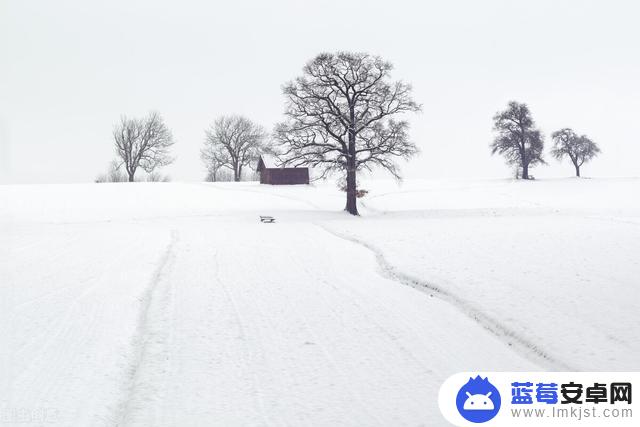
284, 176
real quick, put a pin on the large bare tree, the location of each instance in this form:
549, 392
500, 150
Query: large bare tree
143, 143
339, 117
518, 140
213, 158
579, 148
232, 142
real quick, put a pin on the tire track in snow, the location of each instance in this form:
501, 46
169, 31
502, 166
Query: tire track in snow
245, 354
335, 364
145, 341
512, 339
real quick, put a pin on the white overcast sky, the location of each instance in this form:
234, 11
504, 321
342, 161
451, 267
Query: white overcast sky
70, 68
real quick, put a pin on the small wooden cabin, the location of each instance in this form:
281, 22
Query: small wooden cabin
272, 174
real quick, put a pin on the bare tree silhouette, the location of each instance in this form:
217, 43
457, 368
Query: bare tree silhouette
339, 117
579, 148
143, 143
232, 142
518, 140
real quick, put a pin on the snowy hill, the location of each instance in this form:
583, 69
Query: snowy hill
171, 304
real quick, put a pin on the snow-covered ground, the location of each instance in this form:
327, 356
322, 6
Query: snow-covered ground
171, 304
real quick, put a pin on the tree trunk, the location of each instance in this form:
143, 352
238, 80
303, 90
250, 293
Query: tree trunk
525, 171
236, 174
131, 174
577, 170
352, 184
351, 206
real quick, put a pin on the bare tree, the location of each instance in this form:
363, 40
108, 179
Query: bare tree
232, 142
223, 175
579, 149
143, 143
518, 140
339, 118
156, 176
114, 174
211, 160
212, 173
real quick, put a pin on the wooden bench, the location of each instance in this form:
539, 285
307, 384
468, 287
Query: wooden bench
267, 219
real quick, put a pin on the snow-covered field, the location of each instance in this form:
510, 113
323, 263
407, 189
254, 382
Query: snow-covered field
171, 304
